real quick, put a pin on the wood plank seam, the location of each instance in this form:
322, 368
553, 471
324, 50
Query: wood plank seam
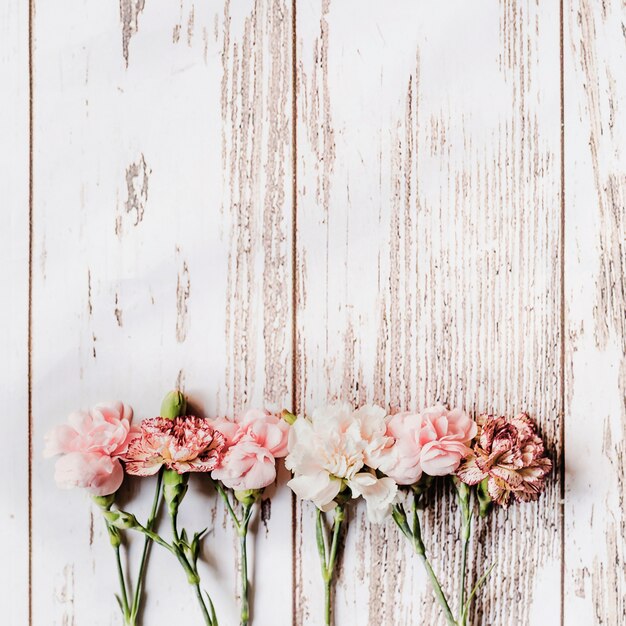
294, 281
31, 42
561, 470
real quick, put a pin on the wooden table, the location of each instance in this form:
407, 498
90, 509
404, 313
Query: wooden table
284, 203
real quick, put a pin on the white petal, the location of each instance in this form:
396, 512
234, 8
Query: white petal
321, 488
378, 493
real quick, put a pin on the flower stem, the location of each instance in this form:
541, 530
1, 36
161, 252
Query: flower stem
245, 606
205, 612
146, 548
115, 539
328, 558
190, 569
477, 586
241, 525
414, 535
120, 575
466, 503
226, 499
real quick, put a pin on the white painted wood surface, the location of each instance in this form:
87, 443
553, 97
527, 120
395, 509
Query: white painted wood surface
14, 319
430, 255
428, 267
155, 266
595, 279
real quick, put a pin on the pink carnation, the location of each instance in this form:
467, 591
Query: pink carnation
511, 455
434, 442
91, 444
401, 461
254, 441
184, 444
444, 437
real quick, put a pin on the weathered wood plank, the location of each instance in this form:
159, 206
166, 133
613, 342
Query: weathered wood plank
428, 265
162, 248
14, 280
595, 227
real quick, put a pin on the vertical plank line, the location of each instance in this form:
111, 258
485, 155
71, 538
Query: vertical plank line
294, 281
563, 316
31, 18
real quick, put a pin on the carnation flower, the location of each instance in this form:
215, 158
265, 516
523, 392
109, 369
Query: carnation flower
333, 450
183, 444
91, 444
433, 442
444, 437
511, 455
254, 441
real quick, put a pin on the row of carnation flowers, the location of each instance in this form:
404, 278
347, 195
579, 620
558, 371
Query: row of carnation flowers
335, 455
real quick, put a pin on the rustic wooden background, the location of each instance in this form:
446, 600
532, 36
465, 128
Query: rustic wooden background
284, 202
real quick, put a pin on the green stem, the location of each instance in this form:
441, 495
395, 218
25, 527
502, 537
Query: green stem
328, 559
174, 520
339, 517
441, 598
243, 533
466, 510
477, 586
120, 575
327, 603
242, 530
146, 547
191, 570
226, 499
320, 535
415, 536
205, 612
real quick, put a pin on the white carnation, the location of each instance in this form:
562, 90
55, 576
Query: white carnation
333, 449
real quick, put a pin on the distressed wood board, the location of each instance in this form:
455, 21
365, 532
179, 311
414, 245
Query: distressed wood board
14, 312
287, 202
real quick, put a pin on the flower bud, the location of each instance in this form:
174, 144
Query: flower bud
248, 497
114, 536
484, 499
174, 405
344, 496
104, 502
289, 417
462, 489
121, 519
174, 489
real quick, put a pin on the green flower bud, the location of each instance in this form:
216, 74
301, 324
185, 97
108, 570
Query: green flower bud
340, 514
104, 502
174, 489
344, 496
174, 405
248, 497
399, 516
289, 417
114, 536
462, 489
484, 499
121, 519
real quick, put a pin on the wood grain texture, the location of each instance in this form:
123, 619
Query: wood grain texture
162, 247
429, 268
14, 286
595, 435
429, 241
